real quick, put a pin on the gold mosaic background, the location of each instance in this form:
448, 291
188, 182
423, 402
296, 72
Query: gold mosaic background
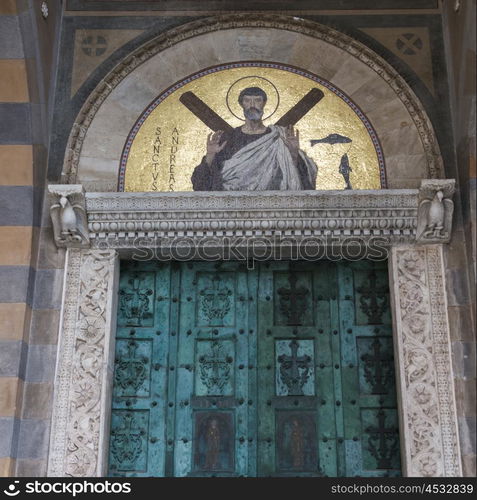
172, 141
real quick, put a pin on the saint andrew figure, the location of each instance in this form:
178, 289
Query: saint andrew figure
254, 156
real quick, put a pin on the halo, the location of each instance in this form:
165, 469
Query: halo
273, 97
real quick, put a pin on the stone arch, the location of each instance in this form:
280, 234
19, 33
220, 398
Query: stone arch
100, 130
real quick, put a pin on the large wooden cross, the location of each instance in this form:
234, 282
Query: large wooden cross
215, 122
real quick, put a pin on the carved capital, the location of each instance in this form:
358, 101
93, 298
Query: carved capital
434, 216
68, 215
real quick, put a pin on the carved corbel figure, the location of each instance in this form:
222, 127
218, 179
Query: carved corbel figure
68, 215
434, 216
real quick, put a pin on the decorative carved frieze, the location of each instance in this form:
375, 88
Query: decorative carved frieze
68, 215
428, 408
80, 403
434, 217
122, 220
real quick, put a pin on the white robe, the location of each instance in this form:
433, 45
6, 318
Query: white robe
257, 165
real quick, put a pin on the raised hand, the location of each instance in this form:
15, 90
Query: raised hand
292, 140
214, 146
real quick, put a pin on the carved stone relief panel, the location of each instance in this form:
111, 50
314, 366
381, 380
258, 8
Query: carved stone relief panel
80, 413
428, 408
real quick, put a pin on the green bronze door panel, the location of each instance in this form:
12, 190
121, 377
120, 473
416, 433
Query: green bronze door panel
215, 369
296, 417
283, 370
140, 375
370, 435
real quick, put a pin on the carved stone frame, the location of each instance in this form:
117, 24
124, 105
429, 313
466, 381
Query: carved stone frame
117, 221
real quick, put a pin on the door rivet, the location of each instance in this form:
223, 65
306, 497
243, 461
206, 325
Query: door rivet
337, 366
338, 403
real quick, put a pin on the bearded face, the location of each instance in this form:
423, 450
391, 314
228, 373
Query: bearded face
253, 107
